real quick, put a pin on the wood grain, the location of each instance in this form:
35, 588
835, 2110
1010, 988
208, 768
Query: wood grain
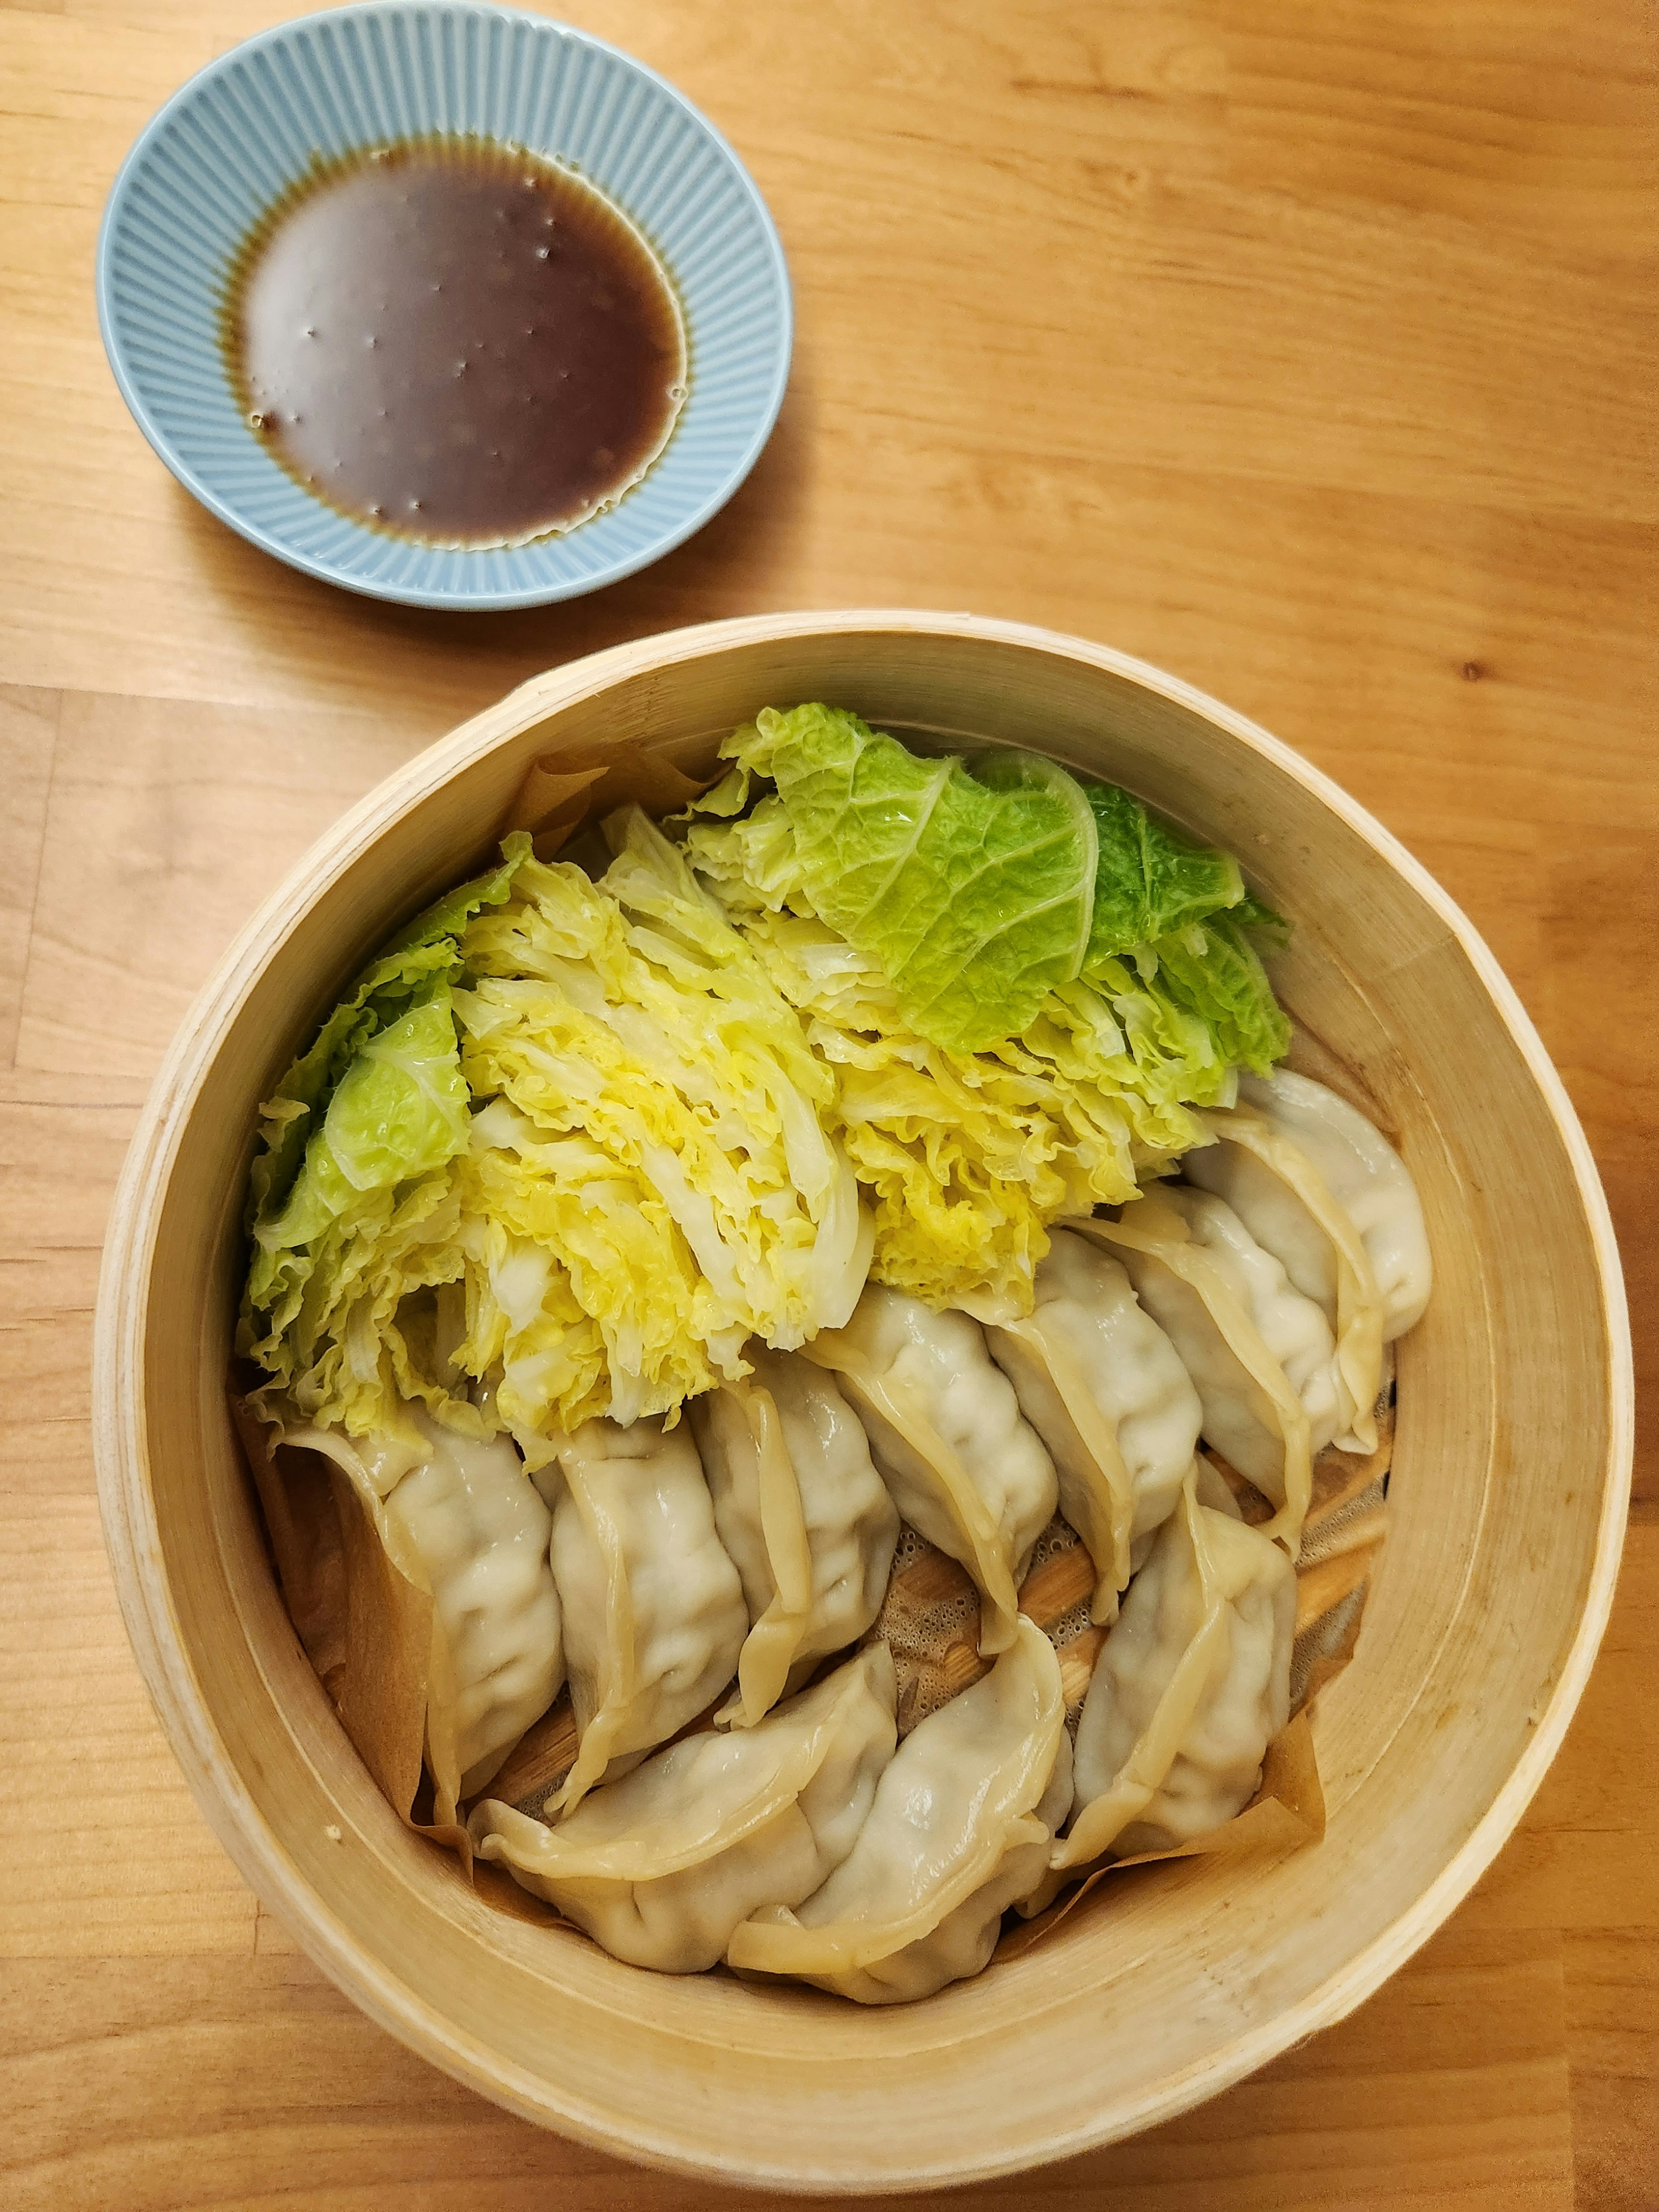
1304, 350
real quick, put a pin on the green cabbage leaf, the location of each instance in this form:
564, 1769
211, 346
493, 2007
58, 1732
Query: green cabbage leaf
1213, 971
974, 888
375, 1099
1150, 881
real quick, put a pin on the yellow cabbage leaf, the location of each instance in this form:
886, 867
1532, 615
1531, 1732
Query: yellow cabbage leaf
967, 1157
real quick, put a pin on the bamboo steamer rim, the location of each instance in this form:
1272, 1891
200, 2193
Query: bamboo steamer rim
121, 1439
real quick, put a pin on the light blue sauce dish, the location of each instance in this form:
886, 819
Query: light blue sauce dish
254, 123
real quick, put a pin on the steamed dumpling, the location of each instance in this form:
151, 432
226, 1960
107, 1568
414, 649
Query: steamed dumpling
1291, 1327
1257, 1166
1191, 1685
1253, 1414
1105, 1389
961, 1828
804, 1515
661, 1866
653, 1611
1367, 1178
464, 1523
965, 1470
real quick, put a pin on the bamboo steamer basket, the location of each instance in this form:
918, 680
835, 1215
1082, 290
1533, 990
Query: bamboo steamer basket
1507, 1501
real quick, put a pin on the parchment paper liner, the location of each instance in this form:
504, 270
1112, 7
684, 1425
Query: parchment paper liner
564, 791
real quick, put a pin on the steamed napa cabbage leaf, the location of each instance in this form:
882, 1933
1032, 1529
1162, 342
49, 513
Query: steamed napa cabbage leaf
973, 888
708, 1082
662, 1143
354, 1339
582, 1296
1150, 881
920, 864
400, 1109
376, 1099
1213, 970
422, 953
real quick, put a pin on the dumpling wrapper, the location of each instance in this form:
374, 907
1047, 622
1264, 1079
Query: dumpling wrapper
961, 1828
466, 1524
1105, 1387
661, 1866
1366, 1177
653, 1611
1253, 1414
965, 1467
803, 1515
1192, 1685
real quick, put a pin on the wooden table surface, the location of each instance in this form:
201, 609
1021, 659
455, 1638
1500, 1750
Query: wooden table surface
1305, 347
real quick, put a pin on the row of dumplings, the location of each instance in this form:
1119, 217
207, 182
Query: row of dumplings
817, 1846
736, 1555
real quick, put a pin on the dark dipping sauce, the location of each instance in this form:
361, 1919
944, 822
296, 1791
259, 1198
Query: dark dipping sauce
453, 341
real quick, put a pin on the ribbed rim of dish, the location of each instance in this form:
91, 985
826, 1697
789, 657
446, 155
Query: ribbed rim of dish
327, 571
